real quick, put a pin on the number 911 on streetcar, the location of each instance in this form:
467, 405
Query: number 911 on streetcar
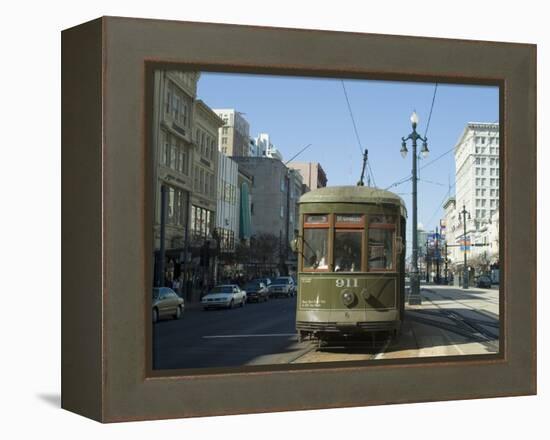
351, 262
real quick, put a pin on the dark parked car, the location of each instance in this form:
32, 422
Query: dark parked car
483, 281
166, 302
265, 280
256, 291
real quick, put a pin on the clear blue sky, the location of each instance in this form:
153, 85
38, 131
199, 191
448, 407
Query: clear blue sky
297, 111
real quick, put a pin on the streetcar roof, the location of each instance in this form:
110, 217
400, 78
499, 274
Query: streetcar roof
351, 194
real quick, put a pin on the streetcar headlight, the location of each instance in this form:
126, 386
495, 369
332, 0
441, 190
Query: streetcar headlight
348, 297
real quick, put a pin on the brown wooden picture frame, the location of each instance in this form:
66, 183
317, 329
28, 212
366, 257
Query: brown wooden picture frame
107, 217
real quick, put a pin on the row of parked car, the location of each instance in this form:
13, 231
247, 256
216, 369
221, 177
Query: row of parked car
167, 303
258, 290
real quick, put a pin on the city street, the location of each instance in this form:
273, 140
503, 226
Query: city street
450, 321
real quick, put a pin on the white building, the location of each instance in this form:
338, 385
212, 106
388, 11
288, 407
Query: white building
452, 230
477, 190
477, 170
265, 148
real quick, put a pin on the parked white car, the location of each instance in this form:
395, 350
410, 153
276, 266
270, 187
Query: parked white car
224, 296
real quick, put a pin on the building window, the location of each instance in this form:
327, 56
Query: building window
201, 180
165, 148
168, 99
224, 129
185, 115
173, 154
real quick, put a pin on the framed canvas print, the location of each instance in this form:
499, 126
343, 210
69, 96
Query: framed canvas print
264, 219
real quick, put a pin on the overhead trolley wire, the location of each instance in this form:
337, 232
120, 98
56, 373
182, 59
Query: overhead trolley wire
431, 110
371, 174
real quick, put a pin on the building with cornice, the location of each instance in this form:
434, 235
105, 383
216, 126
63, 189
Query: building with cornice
173, 148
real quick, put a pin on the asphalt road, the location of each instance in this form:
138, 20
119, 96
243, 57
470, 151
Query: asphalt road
449, 322
256, 333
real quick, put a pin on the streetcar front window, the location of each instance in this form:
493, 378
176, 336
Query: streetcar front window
347, 251
380, 249
315, 249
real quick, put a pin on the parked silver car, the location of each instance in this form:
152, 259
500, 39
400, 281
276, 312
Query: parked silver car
166, 302
282, 286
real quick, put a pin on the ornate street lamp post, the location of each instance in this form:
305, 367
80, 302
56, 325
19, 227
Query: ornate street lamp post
414, 297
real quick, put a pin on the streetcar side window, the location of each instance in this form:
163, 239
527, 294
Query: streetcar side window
381, 242
315, 249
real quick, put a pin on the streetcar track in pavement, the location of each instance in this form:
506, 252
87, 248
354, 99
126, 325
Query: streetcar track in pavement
450, 298
467, 327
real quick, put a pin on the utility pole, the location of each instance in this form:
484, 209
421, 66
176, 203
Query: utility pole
465, 271
446, 268
437, 276
427, 260
414, 297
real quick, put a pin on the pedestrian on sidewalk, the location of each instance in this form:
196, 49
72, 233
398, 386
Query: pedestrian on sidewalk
176, 285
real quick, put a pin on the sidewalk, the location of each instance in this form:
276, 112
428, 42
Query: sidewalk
439, 326
451, 297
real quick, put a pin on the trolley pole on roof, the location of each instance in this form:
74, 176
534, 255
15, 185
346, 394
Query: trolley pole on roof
362, 178
414, 296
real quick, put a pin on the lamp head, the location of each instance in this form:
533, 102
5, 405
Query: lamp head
403, 150
425, 150
414, 119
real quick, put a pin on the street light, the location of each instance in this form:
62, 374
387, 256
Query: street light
465, 275
414, 297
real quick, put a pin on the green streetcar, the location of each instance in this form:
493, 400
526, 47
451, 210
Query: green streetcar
351, 262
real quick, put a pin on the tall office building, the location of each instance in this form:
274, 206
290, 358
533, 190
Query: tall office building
477, 170
234, 135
